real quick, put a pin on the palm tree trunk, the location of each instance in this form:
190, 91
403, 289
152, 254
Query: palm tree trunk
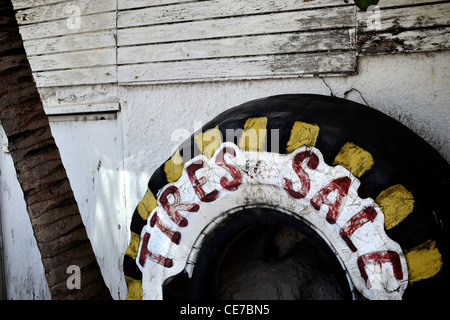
53, 211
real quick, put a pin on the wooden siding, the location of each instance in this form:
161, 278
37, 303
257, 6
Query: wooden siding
61, 51
107, 107
129, 42
255, 67
231, 39
404, 26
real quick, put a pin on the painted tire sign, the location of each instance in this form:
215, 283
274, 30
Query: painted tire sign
299, 184
346, 171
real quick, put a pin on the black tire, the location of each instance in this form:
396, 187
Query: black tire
399, 155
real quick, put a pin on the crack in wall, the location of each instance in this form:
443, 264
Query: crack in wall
326, 84
346, 93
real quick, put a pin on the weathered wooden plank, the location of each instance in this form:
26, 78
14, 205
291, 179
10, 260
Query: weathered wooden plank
51, 110
75, 77
338, 17
260, 67
213, 9
63, 10
130, 4
405, 18
20, 4
96, 22
77, 59
205, 41
406, 41
398, 3
71, 42
341, 39
404, 29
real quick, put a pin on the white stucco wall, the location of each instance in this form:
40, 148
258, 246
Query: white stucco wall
412, 88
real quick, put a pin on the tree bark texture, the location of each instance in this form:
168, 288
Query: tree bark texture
53, 211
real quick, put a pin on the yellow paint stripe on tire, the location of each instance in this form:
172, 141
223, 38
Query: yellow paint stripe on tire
424, 261
254, 136
147, 204
354, 158
396, 203
302, 134
208, 141
133, 246
174, 167
134, 289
